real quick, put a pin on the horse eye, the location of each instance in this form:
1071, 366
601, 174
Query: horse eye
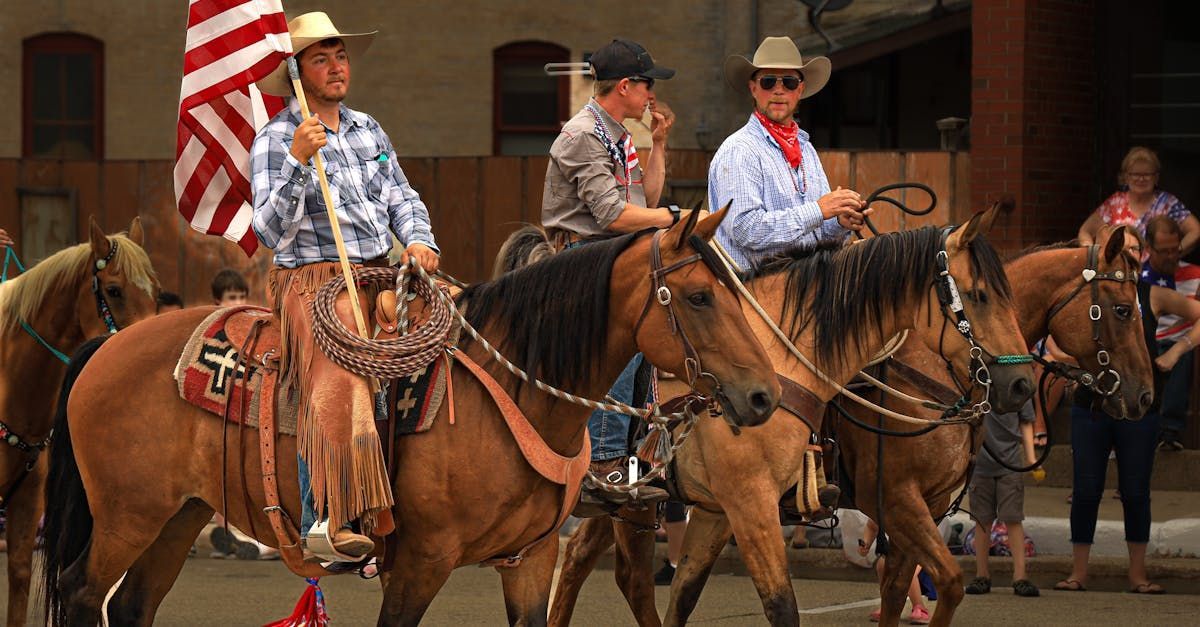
112, 291
976, 296
700, 299
1124, 312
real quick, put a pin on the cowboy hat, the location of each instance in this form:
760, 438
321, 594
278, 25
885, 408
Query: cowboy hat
306, 30
778, 53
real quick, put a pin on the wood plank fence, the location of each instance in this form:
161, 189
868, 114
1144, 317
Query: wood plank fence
475, 202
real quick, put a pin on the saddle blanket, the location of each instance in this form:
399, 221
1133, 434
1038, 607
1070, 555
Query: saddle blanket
210, 376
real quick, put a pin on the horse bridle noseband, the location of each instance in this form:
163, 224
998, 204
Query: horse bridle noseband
950, 299
1090, 276
102, 308
660, 293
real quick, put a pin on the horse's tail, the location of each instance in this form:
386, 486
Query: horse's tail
526, 245
68, 523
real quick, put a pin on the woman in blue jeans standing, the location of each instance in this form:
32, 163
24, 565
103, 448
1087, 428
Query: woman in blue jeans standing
1095, 433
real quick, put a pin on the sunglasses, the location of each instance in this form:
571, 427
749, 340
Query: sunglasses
643, 79
790, 83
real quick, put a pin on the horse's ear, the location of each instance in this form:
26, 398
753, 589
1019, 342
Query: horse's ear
708, 226
135, 232
689, 225
978, 225
1115, 244
100, 243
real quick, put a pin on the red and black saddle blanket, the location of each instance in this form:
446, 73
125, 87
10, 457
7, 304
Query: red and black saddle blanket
210, 374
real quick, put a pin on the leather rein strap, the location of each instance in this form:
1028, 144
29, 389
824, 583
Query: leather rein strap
800, 402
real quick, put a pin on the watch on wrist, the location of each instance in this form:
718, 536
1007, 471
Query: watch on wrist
675, 214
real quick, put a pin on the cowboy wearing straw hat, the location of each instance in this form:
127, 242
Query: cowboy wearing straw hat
342, 473
769, 169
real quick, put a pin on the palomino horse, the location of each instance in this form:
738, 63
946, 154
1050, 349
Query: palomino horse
56, 302
841, 307
146, 461
1054, 289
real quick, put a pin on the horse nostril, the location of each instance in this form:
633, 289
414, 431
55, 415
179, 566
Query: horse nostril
760, 403
1021, 388
1145, 400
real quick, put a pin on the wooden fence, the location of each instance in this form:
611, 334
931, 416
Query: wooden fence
475, 203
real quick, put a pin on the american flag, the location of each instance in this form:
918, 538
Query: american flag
230, 45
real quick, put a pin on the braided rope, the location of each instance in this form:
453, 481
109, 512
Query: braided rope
381, 357
390, 358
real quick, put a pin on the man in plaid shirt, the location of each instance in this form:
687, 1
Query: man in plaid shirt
342, 473
769, 169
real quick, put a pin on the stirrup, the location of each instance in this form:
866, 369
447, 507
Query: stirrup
319, 542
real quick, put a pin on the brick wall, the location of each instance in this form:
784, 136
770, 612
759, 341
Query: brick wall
1033, 109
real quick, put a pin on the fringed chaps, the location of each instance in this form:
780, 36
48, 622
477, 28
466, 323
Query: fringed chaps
337, 436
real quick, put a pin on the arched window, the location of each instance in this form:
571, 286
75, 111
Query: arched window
62, 112
529, 107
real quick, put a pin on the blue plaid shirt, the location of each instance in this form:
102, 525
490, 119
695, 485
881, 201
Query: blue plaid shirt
368, 189
769, 214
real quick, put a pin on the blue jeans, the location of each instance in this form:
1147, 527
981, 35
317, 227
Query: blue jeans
1093, 435
308, 512
1174, 405
609, 430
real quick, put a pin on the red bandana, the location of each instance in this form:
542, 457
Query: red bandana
786, 136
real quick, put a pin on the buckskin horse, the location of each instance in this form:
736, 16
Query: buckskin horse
51, 308
1086, 299
147, 465
840, 307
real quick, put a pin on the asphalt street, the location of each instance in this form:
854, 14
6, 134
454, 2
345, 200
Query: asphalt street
228, 592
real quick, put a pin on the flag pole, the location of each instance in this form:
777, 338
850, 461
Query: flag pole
343, 259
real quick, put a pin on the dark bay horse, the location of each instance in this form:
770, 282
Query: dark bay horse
55, 301
921, 474
145, 474
841, 307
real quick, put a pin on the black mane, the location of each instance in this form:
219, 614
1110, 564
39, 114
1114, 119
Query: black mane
842, 290
553, 314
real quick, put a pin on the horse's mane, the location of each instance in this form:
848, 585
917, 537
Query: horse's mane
843, 290
524, 246
554, 313
1037, 248
24, 297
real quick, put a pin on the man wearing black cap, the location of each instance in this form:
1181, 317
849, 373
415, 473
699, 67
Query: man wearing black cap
596, 188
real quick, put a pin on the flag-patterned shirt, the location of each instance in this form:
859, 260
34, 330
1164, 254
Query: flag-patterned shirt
368, 188
1186, 281
774, 205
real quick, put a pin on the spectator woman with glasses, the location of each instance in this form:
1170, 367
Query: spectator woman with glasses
1139, 200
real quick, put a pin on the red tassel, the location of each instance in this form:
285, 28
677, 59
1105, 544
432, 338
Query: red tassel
651, 451
310, 609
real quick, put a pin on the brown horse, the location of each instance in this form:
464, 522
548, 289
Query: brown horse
922, 473
842, 307
55, 301
146, 463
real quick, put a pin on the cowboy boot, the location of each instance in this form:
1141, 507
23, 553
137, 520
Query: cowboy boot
347, 542
598, 499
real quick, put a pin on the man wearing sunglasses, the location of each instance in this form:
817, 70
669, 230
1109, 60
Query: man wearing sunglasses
770, 170
597, 187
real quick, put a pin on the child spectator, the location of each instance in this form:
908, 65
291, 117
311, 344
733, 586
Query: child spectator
998, 493
920, 613
229, 288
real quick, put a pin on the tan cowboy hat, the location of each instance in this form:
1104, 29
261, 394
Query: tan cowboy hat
778, 53
306, 30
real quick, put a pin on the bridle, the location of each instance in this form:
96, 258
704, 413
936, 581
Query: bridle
102, 308
950, 300
1094, 382
661, 293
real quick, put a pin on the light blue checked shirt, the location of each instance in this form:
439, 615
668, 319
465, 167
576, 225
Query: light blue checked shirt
769, 214
369, 191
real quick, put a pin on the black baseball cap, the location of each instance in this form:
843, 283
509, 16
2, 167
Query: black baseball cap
622, 59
